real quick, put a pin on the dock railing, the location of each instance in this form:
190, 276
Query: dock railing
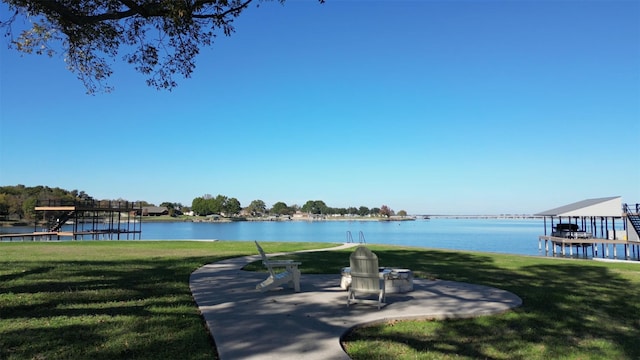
631, 208
83, 204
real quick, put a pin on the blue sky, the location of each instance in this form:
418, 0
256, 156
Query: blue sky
433, 107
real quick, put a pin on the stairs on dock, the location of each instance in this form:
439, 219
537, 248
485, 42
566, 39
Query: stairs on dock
635, 221
633, 216
63, 219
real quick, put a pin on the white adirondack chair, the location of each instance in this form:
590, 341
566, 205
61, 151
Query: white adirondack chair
290, 274
365, 275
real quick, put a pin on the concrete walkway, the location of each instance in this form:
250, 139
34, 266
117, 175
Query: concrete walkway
282, 324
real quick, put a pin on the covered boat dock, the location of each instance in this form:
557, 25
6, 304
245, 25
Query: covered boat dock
602, 225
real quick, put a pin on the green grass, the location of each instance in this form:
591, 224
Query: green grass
131, 300
572, 309
107, 300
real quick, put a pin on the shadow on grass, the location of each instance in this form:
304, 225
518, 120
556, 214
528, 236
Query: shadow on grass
572, 309
144, 309
19, 274
101, 310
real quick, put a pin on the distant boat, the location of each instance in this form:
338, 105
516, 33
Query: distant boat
426, 218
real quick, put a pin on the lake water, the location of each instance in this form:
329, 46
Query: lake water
493, 235
511, 236
508, 236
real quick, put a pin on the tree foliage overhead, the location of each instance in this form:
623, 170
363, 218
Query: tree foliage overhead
160, 38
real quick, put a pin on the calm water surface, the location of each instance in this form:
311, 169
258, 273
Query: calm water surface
511, 236
493, 235
508, 236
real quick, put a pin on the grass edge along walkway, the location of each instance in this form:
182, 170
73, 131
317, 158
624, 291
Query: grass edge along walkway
247, 324
116, 300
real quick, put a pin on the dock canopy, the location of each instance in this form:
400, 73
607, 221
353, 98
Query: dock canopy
605, 207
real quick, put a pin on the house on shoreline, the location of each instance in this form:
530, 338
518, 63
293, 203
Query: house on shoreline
154, 211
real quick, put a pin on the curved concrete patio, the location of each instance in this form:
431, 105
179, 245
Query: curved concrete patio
248, 324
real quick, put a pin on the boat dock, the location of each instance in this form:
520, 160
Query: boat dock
602, 225
608, 247
98, 220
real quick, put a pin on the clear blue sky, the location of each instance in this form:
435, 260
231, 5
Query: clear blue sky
454, 107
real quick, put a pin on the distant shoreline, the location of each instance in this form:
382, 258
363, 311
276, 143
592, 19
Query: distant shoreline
270, 218
184, 218
334, 218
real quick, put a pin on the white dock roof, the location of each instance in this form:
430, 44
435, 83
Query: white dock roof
606, 207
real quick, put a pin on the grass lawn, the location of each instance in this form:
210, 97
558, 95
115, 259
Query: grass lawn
131, 300
107, 299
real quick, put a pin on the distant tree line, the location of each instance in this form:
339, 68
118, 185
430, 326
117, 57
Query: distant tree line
209, 205
18, 203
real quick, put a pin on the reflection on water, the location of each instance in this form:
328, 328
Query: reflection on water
494, 235
511, 236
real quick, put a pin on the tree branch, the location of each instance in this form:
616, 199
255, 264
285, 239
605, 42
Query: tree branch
147, 10
222, 14
135, 7
66, 13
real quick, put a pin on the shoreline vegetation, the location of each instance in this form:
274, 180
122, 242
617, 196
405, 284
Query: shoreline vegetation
27, 204
338, 218
18, 208
220, 219
290, 218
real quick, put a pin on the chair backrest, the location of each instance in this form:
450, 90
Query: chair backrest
265, 260
365, 274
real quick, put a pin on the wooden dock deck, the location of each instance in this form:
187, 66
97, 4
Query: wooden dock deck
96, 219
33, 235
73, 235
630, 247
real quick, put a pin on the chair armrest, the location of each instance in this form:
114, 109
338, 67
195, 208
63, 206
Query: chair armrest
283, 263
385, 274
